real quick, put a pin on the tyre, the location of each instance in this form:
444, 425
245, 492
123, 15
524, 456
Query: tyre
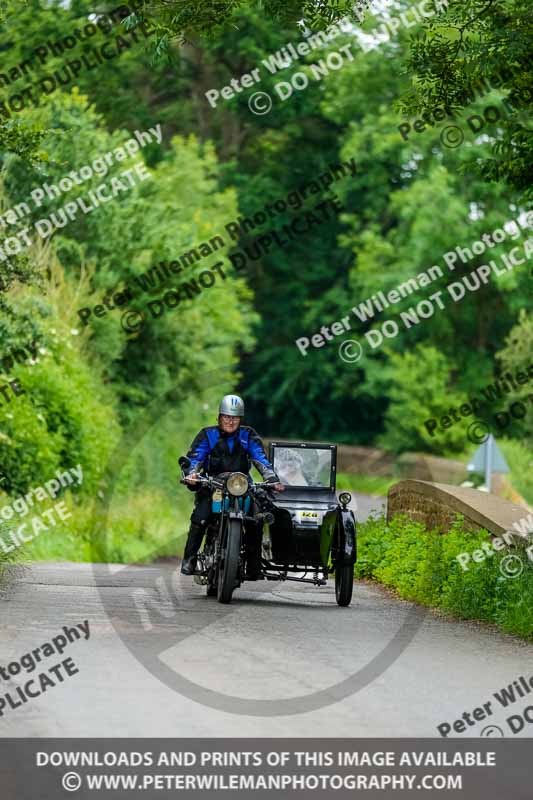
209, 550
212, 583
344, 584
229, 560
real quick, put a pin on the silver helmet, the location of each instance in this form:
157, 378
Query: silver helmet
232, 406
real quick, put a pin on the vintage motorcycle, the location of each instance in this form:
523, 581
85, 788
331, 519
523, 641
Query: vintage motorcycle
305, 528
235, 502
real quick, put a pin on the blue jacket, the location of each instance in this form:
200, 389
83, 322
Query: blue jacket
217, 452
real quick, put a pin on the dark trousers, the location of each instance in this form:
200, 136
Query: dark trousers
199, 519
202, 508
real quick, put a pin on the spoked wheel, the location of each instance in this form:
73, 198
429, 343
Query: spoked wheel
344, 584
229, 560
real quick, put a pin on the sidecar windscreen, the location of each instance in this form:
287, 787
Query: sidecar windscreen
304, 465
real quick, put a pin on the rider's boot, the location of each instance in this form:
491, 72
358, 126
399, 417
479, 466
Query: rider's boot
194, 540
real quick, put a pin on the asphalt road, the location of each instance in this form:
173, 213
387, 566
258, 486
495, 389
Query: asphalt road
276, 662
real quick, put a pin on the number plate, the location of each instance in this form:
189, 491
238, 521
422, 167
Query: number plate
310, 518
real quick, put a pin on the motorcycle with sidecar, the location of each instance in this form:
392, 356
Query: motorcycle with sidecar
308, 534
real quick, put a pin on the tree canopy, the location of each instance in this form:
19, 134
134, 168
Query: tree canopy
411, 199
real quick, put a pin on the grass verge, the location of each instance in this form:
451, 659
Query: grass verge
422, 566
137, 529
365, 484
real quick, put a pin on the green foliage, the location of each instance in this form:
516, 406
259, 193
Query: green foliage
473, 40
387, 235
109, 236
23, 141
465, 42
520, 460
409, 202
365, 484
419, 391
422, 566
139, 530
516, 357
10, 557
65, 416
209, 18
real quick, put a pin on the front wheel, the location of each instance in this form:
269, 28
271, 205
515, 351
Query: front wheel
344, 584
229, 560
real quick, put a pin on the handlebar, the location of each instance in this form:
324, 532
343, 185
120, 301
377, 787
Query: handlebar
215, 482
219, 484
264, 485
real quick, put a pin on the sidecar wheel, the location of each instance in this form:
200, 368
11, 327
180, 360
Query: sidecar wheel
344, 584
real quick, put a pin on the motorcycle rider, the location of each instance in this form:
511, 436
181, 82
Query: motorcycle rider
226, 447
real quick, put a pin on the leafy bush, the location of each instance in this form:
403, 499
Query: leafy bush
61, 420
520, 460
422, 566
515, 357
419, 390
137, 530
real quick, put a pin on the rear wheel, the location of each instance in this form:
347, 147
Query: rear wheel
344, 584
229, 560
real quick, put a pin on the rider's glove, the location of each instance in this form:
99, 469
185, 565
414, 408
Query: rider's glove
192, 487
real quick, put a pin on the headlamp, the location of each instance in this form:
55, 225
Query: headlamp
345, 498
237, 484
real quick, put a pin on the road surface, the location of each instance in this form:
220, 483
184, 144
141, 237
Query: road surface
275, 645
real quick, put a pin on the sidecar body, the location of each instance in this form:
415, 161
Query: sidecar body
313, 531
